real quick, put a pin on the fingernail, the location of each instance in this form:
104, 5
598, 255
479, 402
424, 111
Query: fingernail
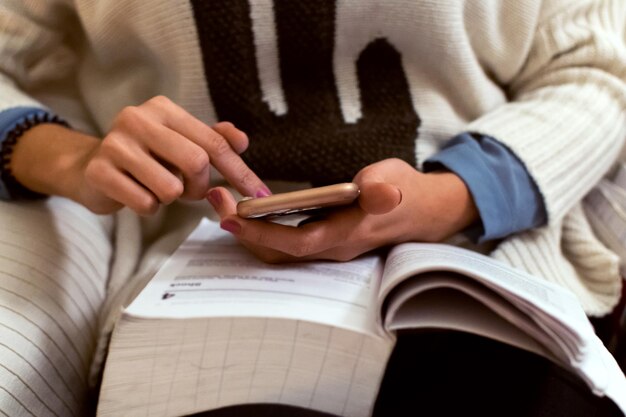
231, 226
263, 192
399, 196
215, 198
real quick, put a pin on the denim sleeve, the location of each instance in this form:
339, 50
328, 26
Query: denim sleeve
507, 198
14, 122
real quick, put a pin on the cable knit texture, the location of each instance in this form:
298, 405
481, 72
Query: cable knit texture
326, 87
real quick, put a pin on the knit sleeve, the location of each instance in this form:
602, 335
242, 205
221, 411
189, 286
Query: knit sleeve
566, 120
38, 56
38, 61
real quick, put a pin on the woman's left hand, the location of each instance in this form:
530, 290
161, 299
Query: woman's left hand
397, 204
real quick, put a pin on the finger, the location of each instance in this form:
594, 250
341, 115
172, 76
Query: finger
237, 139
379, 197
225, 205
335, 236
298, 242
270, 255
221, 153
189, 159
222, 201
232, 167
342, 254
151, 174
167, 145
121, 188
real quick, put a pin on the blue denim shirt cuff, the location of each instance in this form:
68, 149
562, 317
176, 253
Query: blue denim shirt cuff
506, 196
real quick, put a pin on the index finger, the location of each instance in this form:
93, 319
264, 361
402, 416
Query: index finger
232, 167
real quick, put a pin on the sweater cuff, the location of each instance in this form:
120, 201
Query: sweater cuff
13, 123
507, 198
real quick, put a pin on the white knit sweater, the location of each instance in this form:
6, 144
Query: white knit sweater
546, 78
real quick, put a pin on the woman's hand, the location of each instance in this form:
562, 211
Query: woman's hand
397, 204
154, 154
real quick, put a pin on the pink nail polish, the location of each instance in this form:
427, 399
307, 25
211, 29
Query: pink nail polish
263, 192
231, 226
215, 198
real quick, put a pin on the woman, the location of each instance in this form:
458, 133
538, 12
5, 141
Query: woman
489, 119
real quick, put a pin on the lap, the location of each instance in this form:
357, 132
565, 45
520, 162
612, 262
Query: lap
54, 260
452, 373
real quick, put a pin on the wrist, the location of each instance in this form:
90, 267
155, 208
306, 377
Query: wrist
49, 159
454, 202
14, 123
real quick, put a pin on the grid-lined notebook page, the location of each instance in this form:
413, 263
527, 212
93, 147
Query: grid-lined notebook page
183, 367
217, 327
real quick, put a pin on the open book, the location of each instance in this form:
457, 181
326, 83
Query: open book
216, 327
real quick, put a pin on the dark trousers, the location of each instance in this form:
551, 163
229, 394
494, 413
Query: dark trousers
442, 373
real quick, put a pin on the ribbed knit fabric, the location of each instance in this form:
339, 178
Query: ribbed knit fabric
54, 265
546, 78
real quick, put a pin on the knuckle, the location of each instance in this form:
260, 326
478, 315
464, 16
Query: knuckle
130, 119
96, 172
261, 239
394, 163
363, 173
220, 146
129, 114
307, 245
146, 206
93, 170
225, 125
112, 143
246, 178
160, 101
171, 192
197, 162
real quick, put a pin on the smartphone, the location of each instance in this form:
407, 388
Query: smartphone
301, 201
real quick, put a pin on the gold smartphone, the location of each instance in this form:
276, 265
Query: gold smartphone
301, 201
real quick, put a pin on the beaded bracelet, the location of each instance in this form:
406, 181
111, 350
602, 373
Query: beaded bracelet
13, 187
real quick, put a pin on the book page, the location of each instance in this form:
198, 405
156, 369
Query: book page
552, 308
212, 275
555, 305
450, 301
555, 310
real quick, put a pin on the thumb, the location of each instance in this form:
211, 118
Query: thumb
379, 197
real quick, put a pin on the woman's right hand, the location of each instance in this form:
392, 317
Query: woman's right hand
154, 154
